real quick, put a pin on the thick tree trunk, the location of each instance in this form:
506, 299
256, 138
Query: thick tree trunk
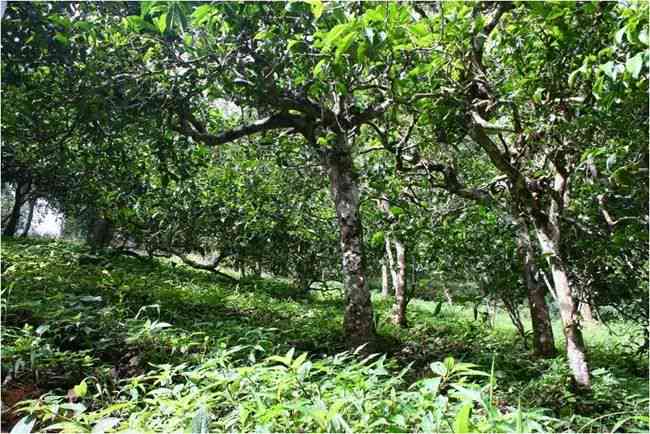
543, 340
399, 308
12, 223
358, 317
100, 234
30, 216
548, 235
384, 279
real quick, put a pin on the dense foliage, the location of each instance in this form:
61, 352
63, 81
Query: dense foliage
492, 154
118, 345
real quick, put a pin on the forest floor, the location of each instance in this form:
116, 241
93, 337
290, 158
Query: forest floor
116, 342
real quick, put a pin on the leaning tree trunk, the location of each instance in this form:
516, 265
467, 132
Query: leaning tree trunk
399, 307
358, 321
548, 233
30, 216
12, 223
543, 340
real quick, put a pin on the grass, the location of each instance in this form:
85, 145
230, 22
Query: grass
127, 343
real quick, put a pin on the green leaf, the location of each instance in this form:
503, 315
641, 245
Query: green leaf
634, 65
135, 23
462, 421
200, 421
344, 44
609, 69
263, 36
61, 39
201, 14
377, 239
318, 69
432, 385
161, 23
145, 7
317, 7
618, 37
299, 361
438, 368
23, 426
292, 42
375, 15
334, 35
80, 389
396, 211
420, 29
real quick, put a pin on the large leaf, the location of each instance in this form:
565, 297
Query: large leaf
462, 422
634, 65
23, 426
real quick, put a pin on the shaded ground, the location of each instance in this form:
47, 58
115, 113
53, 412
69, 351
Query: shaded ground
113, 318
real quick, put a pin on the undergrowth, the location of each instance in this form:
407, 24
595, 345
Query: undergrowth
120, 343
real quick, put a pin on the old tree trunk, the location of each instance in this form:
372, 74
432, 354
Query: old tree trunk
22, 189
358, 316
399, 308
549, 236
543, 341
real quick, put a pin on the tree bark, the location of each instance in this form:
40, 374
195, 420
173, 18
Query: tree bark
391, 262
548, 234
30, 216
358, 321
399, 308
543, 340
22, 188
384, 278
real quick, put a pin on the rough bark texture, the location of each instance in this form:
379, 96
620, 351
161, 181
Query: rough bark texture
399, 307
543, 340
12, 223
100, 234
385, 288
358, 317
30, 216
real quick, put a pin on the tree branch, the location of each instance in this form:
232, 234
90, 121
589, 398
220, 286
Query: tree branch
189, 126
